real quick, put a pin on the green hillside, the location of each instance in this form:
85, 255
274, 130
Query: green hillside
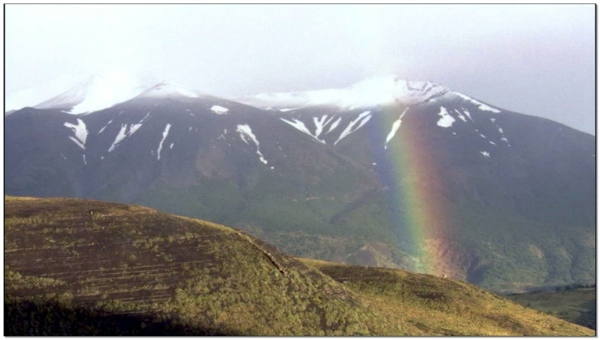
83, 267
440, 306
577, 304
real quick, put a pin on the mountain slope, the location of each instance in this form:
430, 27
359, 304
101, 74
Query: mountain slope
82, 92
133, 261
574, 304
82, 267
457, 308
386, 172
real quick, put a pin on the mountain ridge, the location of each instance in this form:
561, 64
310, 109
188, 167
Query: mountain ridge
111, 88
512, 190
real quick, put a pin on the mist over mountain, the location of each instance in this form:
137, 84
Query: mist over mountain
385, 172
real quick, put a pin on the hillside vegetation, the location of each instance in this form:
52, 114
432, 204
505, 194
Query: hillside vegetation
574, 304
83, 267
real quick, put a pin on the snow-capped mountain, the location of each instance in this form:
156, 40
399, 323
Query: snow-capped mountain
372, 92
80, 93
340, 174
169, 90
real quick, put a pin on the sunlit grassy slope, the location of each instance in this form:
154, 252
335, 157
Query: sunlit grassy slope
437, 305
82, 267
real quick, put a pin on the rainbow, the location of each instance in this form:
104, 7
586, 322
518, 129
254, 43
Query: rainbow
419, 212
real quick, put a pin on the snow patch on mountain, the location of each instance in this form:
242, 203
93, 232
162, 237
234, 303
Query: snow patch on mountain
503, 138
219, 109
246, 134
299, 125
362, 119
120, 136
482, 106
105, 126
164, 136
395, 127
460, 116
468, 114
126, 131
446, 119
135, 127
80, 132
334, 125
321, 123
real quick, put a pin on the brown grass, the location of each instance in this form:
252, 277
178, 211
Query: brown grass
89, 259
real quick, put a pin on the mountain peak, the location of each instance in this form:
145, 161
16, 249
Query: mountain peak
382, 90
91, 92
94, 92
389, 89
169, 89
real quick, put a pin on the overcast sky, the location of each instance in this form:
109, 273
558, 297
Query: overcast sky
533, 59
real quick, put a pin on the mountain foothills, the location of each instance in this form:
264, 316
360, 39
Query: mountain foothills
84, 267
387, 172
575, 304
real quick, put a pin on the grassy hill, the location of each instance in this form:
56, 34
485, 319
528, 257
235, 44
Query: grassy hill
577, 305
437, 305
83, 267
